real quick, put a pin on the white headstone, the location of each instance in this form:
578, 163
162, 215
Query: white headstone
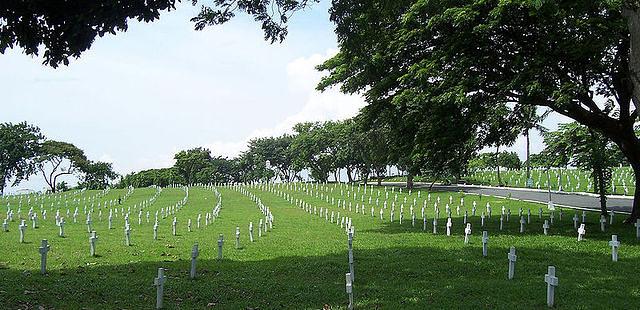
512, 262
485, 240
194, 255
159, 283
614, 244
44, 248
552, 281
581, 232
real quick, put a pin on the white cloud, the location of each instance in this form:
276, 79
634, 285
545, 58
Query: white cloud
302, 77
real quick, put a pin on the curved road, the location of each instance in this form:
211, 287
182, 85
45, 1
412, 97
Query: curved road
570, 200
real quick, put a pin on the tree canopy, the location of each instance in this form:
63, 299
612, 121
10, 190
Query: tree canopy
19, 145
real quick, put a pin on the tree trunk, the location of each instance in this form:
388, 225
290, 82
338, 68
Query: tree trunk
630, 147
349, 177
409, 180
498, 164
602, 189
526, 135
3, 183
635, 210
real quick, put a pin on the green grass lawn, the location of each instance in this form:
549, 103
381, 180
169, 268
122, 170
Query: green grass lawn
301, 263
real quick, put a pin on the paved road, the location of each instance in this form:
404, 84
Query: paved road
564, 199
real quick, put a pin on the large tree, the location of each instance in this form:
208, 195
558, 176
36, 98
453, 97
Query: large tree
97, 175
587, 149
563, 55
58, 158
190, 162
19, 145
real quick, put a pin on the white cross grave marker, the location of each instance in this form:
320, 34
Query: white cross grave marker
194, 255
485, 240
220, 243
159, 283
44, 248
512, 262
92, 243
22, 227
614, 244
581, 232
467, 232
552, 281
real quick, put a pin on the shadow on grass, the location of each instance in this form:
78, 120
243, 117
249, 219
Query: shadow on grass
391, 278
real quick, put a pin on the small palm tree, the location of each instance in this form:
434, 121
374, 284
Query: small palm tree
529, 119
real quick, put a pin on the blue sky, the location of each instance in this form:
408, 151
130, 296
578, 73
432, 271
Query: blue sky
136, 98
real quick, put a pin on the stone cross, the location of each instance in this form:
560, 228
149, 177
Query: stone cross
34, 220
198, 221
424, 223
5, 226
251, 231
44, 248
189, 225
194, 255
512, 262
435, 225
545, 227
485, 240
175, 223
349, 291
467, 232
482, 219
92, 243
552, 281
110, 220
465, 217
159, 284
449, 224
61, 225
584, 216
22, 227
603, 221
155, 231
614, 244
540, 213
350, 253
551, 217
637, 225
581, 232
127, 235
522, 222
575, 221
260, 229
220, 243
237, 237
89, 222
611, 217
560, 215
529, 216
501, 221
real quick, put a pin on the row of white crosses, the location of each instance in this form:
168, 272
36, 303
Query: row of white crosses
319, 193
323, 213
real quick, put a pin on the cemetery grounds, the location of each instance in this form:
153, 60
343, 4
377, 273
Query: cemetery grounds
301, 262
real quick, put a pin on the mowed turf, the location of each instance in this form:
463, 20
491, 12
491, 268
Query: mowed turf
301, 263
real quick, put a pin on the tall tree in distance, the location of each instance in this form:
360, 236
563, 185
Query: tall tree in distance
97, 175
190, 162
19, 145
57, 159
530, 120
